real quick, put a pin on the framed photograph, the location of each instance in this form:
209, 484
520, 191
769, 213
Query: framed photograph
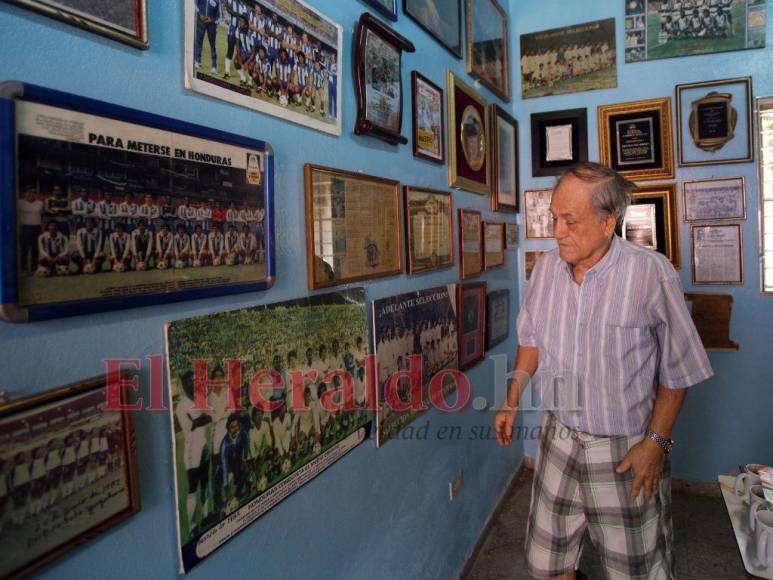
296, 37
253, 446
429, 234
442, 19
487, 45
352, 227
717, 254
429, 136
419, 323
572, 59
652, 221
471, 323
123, 20
470, 243
497, 317
504, 161
387, 8
657, 29
715, 199
126, 209
559, 140
537, 218
69, 469
511, 236
636, 139
714, 122
530, 258
468, 143
493, 245
378, 80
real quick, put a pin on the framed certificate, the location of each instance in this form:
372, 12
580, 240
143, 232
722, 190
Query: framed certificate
636, 139
717, 254
429, 236
471, 323
504, 160
538, 221
429, 138
511, 236
497, 317
468, 142
715, 199
470, 243
488, 40
352, 227
559, 140
640, 226
651, 220
493, 245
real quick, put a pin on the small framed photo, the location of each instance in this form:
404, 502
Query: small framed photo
714, 122
530, 258
651, 221
559, 140
378, 80
429, 235
493, 245
539, 222
386, 8
429, 138
497, 317
69, 469
468, 143
636, 139
717, 254
470, 243
715, 199
488, 40
511, 236
504, 161
442, 19
471, 323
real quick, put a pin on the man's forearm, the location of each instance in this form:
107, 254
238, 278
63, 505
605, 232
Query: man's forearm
668, 403
526, 362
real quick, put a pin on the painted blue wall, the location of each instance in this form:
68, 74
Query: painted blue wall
725, 421
376, 513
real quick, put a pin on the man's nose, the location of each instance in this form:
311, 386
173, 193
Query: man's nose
559, 228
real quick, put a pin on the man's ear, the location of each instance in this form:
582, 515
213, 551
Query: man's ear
610, 224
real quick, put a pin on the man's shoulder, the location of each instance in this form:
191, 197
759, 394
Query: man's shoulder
645, 260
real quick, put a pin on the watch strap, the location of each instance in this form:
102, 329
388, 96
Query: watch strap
666, 444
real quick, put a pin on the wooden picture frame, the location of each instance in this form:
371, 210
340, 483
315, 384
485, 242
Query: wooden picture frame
413, 8
57, 422
479, 64
493, 245
429, 133
666, 227
342, 246
376, 40
470, 243
427, 210
469, 154
511, 236
471, 323
537, 220
505, 169
497, 317
702, 202
559, 140
636, 139
732, 233
385, 11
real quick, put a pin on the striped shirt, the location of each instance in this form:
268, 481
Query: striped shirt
619, 335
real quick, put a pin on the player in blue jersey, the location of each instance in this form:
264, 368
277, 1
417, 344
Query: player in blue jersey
234, 9
208, 14
245, 52
284, 73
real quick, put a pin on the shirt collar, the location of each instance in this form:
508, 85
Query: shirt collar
607, 261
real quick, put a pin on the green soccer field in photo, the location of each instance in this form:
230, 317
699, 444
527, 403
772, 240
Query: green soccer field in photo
601, 79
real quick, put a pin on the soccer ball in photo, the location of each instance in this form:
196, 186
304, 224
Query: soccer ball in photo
42, 272
262, 483
140, 266
216, 261
197, 263
230, 260
119, 267
248, 260
283, 100
62, 270
286, 465
89, 268
179, 264
317, 448
161, 265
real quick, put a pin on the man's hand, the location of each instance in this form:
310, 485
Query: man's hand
503, 425
646, 460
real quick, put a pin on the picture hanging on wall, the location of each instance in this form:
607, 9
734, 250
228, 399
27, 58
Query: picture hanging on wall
429, 136
471, 243
493, 245
471, 323
572, 59
652, 221
378, 80
497, 317
69, 472
537, 218
718, 199
442, 19
664, 28
468, 143
488, 40
117, 208
386, 8
511, 236
259, 75
559, 140
504, 161
530, 258
263, 432
429, 233
717, 254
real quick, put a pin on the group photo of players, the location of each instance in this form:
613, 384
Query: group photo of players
546, 68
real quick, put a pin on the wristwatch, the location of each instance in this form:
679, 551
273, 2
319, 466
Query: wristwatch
666, 444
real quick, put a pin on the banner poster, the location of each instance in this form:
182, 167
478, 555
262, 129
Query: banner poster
420, 324
263, 400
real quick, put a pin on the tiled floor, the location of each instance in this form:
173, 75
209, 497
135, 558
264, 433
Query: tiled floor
705, 545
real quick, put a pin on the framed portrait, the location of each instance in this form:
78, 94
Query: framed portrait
559, 140
123, 20
715, 199
487, 45
209, 71
511, 236
352, 227
497, 317
442, 19
70, 470
636, 139
468, 143
471, 323
530, 258
378, 80
470, 243
717, 254
652, 221
126, 209
429, 136
429, 234
714, 122
386, 8
504, 161
576, 58
493, 245
537, 218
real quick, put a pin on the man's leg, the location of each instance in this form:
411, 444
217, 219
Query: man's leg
212, 37
198, 41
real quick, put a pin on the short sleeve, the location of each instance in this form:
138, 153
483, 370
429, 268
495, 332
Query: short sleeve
525, 325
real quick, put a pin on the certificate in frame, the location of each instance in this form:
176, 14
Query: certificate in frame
471, 323
470, 243
493, 245
716, 199
717, 254
504, 161
497, 317
429, 234
429, 135
662, 198
488, 40
511, 236
559, 140
469, 165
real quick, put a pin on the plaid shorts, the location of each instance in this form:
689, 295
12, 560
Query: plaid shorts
576, 488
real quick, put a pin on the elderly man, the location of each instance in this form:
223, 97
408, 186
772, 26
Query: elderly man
606, 324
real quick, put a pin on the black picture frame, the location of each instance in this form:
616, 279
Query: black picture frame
494, 300
381, 9
540, 122
458, 50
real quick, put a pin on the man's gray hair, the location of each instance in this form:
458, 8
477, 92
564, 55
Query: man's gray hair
612, 193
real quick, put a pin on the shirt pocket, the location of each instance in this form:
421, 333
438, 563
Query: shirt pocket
624, 345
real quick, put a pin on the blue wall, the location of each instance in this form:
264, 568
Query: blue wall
376, 513
725, 421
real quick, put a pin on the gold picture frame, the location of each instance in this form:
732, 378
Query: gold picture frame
663, 196
470, 243
430, 213
465, 104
